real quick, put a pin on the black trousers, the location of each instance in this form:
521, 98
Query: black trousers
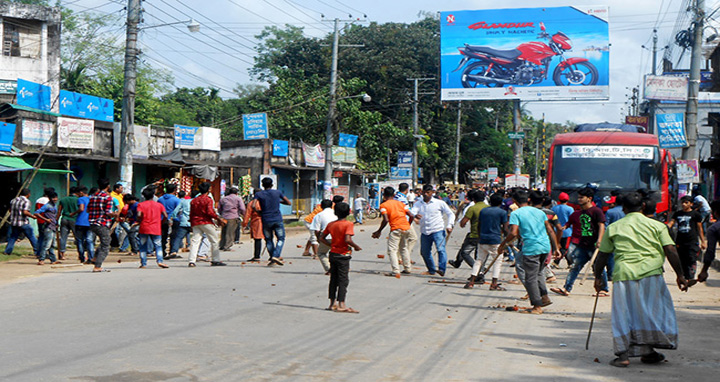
339, 279
258, 248
688, 259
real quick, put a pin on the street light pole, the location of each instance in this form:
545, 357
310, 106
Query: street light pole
127, 121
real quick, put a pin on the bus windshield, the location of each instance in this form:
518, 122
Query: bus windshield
610, 167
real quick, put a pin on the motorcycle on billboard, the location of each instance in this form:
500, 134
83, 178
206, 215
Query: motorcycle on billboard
525, 65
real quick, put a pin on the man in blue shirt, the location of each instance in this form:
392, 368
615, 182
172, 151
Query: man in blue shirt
272, 220
531, 224
563, 212
170, 202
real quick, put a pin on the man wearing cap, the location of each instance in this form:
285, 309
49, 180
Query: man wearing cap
563, 212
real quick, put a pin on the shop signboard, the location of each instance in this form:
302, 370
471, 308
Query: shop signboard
86, 106
36, 133
32, 94
75, 133
255, 126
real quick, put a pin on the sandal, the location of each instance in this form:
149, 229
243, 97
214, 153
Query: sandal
560, 291
497, 287
347, 310
617, 362
530, 311
653, 357
601, 294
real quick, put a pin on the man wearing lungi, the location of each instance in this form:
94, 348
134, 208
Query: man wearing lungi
643, 316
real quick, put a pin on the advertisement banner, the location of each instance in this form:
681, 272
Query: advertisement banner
75, 133
210, 138
527, 54
255, 126
688, 171
492, 172
609, 152
86, 106
671, 130
33, 95
666, 88
280, 148
350, 155
141, 141
188, 137
36, 133
347, 140
338, 154
314, 155
405, 158
7, 136
512, 180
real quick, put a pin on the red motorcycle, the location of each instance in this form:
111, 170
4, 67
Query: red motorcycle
525, 65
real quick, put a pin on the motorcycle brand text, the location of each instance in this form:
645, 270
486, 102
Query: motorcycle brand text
484, 25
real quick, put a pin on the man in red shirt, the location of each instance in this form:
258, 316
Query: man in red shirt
151, 214
202, 220
342, 232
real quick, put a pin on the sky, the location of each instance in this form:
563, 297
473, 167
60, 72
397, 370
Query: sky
222, 52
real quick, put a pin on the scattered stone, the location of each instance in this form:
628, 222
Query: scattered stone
596, 360
380, 256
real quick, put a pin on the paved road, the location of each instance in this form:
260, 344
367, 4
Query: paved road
249, 322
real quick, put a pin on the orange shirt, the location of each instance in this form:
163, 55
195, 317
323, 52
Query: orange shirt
338, 229
314, 212
395, 211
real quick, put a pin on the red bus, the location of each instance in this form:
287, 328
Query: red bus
609, 160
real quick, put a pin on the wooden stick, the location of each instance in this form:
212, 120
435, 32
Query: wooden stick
589, 266
66, 265
592, 319
445, 282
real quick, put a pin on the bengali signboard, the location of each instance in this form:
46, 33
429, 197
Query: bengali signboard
405, 159
637, 121
36, 133
8, 87
343, 191
400, 172
671, 130
32, 94
188, 137
75, 133
609, 152
688, 171
666, 88
86, 106
512, 180
280, 148
506, 51
7, 136
255, 126
350, 155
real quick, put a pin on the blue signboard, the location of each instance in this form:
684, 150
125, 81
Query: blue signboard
529, 54
187, 137
255, 126
347, 140
405, 158
32, 94
671, 130
86, 106
280, 148
7, 136
400, 172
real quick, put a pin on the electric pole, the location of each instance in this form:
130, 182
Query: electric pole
517, 143
127, 121
651, 122
457, 144
694, 85
416, 127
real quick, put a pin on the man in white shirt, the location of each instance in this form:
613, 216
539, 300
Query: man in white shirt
320, 221
358, 206
429, 212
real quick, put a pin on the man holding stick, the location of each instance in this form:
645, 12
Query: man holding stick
643, 316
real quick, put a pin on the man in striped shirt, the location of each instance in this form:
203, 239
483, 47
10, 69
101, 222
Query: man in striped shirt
101, 217
19, 221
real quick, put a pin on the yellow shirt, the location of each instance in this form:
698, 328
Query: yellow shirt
119, 198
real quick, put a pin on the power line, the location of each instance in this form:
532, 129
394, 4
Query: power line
243, 37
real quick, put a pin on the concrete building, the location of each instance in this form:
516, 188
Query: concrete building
30, 48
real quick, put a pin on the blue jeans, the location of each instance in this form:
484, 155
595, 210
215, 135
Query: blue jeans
358, 216
148, 244
278, 229
15, 233
45, 242
182, 232
85, 242
426, 242
580, 257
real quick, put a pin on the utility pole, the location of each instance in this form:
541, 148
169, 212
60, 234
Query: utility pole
127, 121
691, 113
457, 144
327, 184
517, 143
416, 127
543, 149
651, 122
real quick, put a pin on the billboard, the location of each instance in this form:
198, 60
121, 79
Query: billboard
86, 106
528, 54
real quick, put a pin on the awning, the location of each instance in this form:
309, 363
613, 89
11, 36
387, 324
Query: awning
13, 164
33, 110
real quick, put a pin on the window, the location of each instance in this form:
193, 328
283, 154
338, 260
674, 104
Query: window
21, 38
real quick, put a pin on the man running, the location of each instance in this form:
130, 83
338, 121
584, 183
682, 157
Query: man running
470, 244
429, 212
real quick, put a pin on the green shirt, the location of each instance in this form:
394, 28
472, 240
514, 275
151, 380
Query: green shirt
69, 205
473, 214
637, 242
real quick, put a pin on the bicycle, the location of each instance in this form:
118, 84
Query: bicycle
371, 212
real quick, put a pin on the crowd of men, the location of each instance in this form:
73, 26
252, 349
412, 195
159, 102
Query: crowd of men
618, 236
